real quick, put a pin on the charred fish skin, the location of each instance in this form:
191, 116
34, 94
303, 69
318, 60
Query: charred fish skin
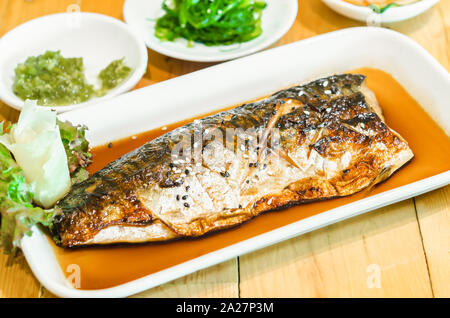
331, 141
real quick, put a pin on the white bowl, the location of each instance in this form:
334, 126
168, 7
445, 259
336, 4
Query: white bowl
97, 38
394, 14
277, 19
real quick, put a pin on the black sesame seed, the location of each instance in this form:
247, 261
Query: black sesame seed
186, 171
178, 197
225, 174
240, 206
184, 197
256, 164
187, 188
186, 205
248, 181
110, 145
250, 164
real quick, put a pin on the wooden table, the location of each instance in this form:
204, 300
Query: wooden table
408, 242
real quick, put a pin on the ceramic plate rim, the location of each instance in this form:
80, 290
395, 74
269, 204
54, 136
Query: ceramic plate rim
396, 14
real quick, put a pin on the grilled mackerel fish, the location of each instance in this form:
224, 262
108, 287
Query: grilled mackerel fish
317, 141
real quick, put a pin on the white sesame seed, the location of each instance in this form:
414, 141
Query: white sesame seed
164, 128
133, 137
328, 92
325, 84
306, 112
328, 110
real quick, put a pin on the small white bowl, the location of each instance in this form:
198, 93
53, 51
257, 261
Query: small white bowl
277, 19
394, 14
97, 38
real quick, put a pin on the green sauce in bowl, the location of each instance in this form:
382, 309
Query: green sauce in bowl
54, 80
113, 75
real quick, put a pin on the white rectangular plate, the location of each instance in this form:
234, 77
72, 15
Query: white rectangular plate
236, 82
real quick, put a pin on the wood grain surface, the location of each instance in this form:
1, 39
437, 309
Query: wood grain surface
402, 250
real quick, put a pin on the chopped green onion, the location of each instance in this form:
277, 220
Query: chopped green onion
378, 9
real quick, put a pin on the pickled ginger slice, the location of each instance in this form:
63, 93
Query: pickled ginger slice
36, 144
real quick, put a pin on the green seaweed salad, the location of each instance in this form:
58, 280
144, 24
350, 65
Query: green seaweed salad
211, 22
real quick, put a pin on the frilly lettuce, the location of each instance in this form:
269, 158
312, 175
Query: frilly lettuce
77, 149
18, 214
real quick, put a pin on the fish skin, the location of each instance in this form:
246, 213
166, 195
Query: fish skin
332, 142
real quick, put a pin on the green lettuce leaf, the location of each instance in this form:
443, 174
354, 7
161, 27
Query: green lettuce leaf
18, 215
77, 149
